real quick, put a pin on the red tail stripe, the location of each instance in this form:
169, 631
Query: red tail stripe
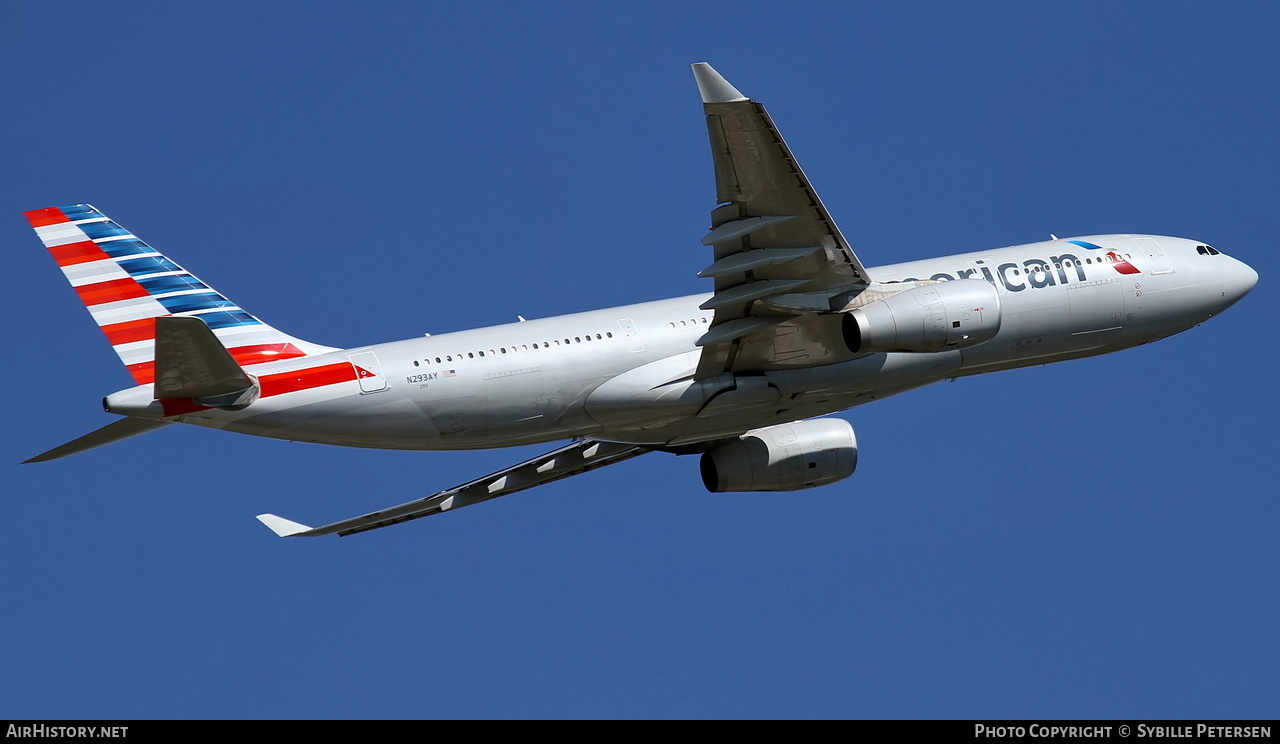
77, 253
143, 372
130, 331
46, 216
110, 291
262, 353
305, 379
269, 385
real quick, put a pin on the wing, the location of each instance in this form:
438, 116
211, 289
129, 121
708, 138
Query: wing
572, 459
780, 260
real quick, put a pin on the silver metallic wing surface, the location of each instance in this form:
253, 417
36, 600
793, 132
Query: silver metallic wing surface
778, 253
112, 432
572, 459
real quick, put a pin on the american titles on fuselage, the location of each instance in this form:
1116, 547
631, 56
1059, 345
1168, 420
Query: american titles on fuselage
1036, 273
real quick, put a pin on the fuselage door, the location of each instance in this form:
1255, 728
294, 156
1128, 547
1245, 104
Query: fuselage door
630, 333
368, 372
1160, 263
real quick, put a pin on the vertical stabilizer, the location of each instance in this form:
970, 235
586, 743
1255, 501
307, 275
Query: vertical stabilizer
126, 284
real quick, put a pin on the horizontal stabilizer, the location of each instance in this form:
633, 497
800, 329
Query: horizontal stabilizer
114, 431
192, 363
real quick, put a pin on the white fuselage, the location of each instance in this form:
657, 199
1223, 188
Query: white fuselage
626, 373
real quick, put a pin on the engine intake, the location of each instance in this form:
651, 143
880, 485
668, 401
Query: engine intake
786, 457
935, 317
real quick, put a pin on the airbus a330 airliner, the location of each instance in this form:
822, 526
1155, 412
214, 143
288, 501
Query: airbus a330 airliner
796, 328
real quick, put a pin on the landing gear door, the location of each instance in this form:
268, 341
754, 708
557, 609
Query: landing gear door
368, 372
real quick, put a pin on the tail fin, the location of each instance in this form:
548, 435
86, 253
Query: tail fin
126, 284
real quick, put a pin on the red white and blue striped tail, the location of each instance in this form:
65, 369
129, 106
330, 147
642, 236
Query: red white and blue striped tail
126, 284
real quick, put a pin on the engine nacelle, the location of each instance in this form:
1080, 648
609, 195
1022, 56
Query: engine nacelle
935, 317
786, 457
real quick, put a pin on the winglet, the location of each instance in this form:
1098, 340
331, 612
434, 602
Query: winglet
281, 526
712, 85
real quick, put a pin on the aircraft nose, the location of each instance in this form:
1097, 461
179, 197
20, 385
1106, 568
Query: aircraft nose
1248, 278
1238, 282
1229, 280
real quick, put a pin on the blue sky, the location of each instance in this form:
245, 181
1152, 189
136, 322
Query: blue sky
1089, 539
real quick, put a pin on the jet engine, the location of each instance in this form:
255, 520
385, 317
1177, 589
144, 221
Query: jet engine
934, 317
786, 457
